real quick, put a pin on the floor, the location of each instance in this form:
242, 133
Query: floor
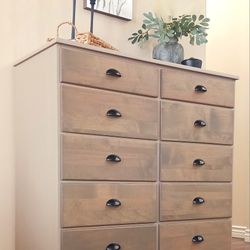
238, 244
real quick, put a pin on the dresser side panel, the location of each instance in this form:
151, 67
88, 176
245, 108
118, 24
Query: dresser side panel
37, 152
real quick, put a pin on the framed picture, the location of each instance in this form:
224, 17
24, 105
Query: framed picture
118, 8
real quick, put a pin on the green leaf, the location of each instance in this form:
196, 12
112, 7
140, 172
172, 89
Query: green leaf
201, 17
154, 36
206, 20
192, 40
132, 37
202, 29
140, 38
149, 15
140, 31
204, 24
166, 39
198, 41
146, 21
134, 34
144, 26
194, 32
194, 17
135, 40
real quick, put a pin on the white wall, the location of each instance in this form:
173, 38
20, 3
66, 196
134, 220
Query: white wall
6, 136
26, 24
228, 51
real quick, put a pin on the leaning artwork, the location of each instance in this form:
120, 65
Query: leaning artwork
118, 8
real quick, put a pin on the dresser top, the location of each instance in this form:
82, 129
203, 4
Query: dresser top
117, 53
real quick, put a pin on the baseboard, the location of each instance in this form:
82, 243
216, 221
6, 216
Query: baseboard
241, 232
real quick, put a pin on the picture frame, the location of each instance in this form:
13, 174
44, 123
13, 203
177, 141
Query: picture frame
122, 9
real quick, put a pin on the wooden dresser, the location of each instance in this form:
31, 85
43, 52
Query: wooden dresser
118, 153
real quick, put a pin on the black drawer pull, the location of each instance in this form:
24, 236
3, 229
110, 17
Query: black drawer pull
198, 239
113, 158
198, 162
200, 123
113, 246
200, 89
114, 113
113, 72
198, 201
113, 203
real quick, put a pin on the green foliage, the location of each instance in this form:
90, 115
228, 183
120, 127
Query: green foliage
192, 26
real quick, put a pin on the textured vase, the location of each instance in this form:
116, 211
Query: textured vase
171, 51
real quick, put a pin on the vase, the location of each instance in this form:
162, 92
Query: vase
171, 51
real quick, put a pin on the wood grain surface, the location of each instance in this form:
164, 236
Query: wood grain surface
84, 204
129, 238
177, 162
240, 244
180, 85
176, 201
84, 111
178, 123
89, 68
179, 235
84, 158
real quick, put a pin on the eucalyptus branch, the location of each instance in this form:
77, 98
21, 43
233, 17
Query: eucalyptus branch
191, 26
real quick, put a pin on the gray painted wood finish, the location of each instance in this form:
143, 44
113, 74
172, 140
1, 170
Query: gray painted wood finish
89, 69
178, 162
98, 238
63, 96
179, 235
180, 85
84, 204
176, 202
84, 111
84, 157
178, 120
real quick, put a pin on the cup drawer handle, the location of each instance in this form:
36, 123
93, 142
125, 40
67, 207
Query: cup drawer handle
200, 89
113, 72
113, 203
113, 246
200, 123
113, 113
198, 162
198, 201
113, 158
197, 239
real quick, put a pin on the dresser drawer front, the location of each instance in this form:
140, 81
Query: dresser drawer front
216, 235
177, 201
89, 68
129, 238
183, 85
86, 204
101, 112
87, 157
178, 121
196, 162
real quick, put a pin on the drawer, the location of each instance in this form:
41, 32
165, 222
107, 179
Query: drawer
184, 201
90, 68
179, 119
183, 85
86, 204
128, 238
94, 111
196, 162
212, 235
87, 157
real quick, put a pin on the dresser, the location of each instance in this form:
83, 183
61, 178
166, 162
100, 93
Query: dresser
119, 153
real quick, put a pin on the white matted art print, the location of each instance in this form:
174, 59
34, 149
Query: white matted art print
118, 8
